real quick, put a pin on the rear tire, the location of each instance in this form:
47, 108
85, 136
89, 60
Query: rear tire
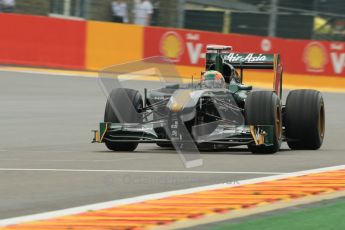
264, 108
305, 119
119, 99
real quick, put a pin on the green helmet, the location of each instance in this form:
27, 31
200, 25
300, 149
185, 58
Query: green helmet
213, 79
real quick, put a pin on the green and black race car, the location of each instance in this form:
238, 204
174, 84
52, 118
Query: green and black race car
217, 112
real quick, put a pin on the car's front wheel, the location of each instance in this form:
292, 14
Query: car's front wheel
123, 106
165, 145
264, 108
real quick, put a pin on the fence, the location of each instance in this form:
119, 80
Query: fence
303, 19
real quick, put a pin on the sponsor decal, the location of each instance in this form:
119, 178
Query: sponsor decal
171, 46
194, 48
232, 57
338, 62
315, 57
266, 45
181, 47
337, 46
337, 57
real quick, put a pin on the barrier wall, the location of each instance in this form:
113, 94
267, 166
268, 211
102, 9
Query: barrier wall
51, 42
112, 43
42, 41
188, 47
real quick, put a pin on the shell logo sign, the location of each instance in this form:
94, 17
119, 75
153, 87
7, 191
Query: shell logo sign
171, 46
181, 46
315, 57
188, 47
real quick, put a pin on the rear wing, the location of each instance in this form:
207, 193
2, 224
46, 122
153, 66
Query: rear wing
250, 60
217, 56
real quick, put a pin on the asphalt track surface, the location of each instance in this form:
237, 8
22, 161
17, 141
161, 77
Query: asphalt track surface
45, 123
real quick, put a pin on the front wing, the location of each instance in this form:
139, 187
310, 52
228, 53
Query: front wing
146, 133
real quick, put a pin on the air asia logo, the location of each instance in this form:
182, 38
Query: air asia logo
315, 57
171, 46
248, 58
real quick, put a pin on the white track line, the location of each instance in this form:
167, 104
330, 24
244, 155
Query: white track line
135, 171
110, 204
69, 73
42, 72
75, 160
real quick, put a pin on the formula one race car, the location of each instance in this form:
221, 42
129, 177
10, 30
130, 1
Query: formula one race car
217, 112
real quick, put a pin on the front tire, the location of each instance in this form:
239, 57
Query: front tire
123, 106
165, 145
264, 108
305, 119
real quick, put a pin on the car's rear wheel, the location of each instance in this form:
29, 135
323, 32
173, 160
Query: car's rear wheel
123, 106
305, 119
264, 108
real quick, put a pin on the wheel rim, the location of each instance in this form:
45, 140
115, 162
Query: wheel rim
321, 122
278, 122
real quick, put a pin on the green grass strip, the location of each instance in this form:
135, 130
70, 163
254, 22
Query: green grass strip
325, 217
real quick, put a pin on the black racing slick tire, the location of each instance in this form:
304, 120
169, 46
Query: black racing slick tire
165, 145
264, 108
305, 119
119, 110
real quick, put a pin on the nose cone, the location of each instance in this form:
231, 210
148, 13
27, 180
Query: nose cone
176, 107
178, 100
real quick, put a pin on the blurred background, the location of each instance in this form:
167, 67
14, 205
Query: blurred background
301, 19
93, 34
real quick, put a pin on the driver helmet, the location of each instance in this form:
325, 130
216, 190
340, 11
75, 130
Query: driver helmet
213, 79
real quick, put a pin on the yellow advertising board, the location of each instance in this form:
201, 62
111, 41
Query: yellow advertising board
112, 43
